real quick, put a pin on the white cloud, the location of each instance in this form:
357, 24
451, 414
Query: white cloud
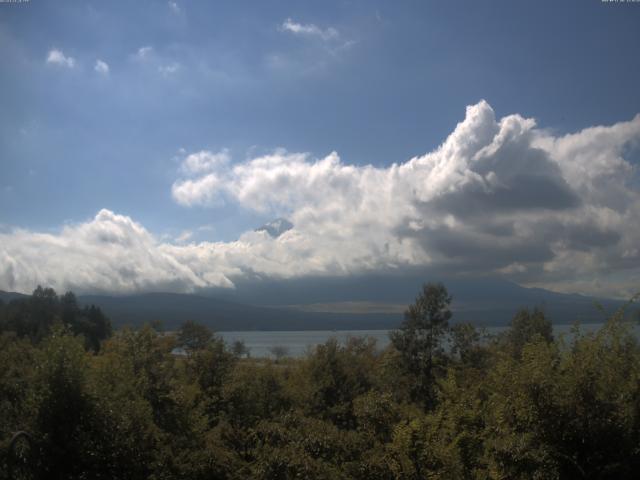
309, 30
498, 196
204, 161
56, 57
110, 253
201, 191
101, 67
144, 52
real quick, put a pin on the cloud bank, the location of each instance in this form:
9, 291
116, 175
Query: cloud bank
499, 196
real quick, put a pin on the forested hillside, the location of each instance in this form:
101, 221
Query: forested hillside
122, 405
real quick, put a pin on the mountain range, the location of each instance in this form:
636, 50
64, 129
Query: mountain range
363, 303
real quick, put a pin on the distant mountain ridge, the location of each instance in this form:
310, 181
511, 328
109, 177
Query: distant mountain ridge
222, 315
6, 297
339, 304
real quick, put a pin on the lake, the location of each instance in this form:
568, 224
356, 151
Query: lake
297, 343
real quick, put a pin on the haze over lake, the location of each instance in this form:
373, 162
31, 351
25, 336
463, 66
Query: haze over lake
299, 343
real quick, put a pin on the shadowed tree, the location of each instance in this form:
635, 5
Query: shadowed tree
279, 352
42, 311
34, 317
419, 338
194, 336
525, 327
466, 343
239, 349
88, 321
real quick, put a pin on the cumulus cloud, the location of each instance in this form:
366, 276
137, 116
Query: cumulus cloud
205, 161
200, 191
56, 57
309, 30
101, 67
498, 196
203, 189
110, 253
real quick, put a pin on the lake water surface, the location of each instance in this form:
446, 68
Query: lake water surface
297, 343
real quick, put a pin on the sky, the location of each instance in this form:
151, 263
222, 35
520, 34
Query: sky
144, 144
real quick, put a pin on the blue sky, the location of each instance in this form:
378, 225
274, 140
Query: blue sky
103, 102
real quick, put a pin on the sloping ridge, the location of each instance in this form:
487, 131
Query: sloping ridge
172, 309
6, 297
480, 301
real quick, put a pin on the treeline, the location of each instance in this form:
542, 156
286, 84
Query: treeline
442, 401
34, 317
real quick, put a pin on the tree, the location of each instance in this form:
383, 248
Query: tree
91, 323
279, 352
68, 308
333, 376
42, 309
465, 343
35, 316
253, 392
65, 413
194, 336
566, 411
420, 336
525, 327
239, 349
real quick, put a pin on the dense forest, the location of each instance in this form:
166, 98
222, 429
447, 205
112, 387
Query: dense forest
444, 400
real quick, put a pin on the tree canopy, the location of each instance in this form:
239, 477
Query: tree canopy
439, 402
419, 338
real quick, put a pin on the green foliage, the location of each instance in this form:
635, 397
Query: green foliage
18, 400
253, 393
419, 339
194, 336
520, 406
209, 368
279, 352
35, 316
65, 424
333, 376
525, 327
239, 349
466, 344
568, 412
376, 413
